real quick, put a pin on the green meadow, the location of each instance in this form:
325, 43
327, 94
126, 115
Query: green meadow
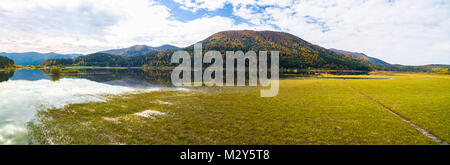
322, 110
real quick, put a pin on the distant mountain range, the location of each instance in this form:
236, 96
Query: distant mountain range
138, 50
294, 52
35, 58
362, 56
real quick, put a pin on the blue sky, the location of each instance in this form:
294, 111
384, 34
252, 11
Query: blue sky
187, 15
397, 31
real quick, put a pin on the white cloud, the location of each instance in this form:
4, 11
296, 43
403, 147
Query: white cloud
403, 31
398, 31
87, 26
194, 5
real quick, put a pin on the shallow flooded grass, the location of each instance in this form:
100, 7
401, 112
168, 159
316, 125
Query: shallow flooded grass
306, 111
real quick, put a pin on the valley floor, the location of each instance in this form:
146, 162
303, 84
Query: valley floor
306, 111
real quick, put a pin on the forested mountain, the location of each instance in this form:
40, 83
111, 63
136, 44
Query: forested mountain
34, 58
166, 47
362, 56
109, 60
96, 59
6, 62
138, 50
422, 68
294, 52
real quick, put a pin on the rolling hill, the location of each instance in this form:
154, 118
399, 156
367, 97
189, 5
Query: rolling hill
138, 50
294, 51
35, 58
362, 56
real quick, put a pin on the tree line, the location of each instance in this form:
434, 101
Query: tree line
6, 62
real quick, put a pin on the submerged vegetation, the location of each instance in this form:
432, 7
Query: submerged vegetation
306, 111
58, 71
55, 70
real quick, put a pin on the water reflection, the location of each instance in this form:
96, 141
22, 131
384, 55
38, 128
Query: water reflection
31, 75
123, 77
5, 75
23, 92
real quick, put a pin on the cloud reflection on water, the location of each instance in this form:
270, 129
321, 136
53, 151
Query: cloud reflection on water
20, 99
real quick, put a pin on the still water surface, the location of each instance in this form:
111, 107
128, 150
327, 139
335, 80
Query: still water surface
24, 92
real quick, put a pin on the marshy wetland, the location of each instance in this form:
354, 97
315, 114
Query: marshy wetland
132, 106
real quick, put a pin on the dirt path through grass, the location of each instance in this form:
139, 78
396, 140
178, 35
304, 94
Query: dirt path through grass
423, 131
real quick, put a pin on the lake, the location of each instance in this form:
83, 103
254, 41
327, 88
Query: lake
23, 92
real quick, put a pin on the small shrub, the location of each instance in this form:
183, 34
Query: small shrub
55, 70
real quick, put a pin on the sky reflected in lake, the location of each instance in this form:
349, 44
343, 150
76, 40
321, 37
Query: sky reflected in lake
26, 91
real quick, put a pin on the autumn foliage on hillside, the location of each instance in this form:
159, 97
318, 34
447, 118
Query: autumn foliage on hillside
294, 52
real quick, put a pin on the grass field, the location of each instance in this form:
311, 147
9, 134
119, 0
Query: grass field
306, 111
424, 99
